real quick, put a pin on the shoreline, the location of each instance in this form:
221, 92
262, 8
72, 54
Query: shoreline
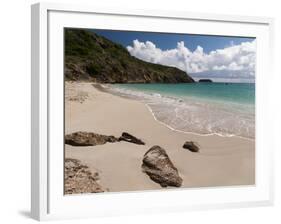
107, 89
222, 161
194, 133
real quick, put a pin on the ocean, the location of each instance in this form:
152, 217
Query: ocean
226, 109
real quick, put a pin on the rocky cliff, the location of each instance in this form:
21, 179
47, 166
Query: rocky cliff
91, 57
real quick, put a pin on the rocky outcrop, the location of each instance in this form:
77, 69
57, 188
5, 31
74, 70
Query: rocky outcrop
78, 179
88, 139
130, 138
205, 80
158, 166
91, 57
191, 146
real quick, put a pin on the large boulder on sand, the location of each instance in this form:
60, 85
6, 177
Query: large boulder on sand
88, 139
130, 138
158, 166
191, 146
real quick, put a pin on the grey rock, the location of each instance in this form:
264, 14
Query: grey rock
158, 166
88, 139
191, 146
130, 138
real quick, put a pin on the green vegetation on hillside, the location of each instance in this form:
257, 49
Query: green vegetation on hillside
91, 57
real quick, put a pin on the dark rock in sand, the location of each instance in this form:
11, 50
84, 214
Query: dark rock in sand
158, 166
78, 179
191, 146
88, 139
130, 138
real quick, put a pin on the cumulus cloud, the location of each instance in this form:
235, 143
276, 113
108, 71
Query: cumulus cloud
230, 60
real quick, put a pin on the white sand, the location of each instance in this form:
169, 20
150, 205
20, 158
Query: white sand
222, 161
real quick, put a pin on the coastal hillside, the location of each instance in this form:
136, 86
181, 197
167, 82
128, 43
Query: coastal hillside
90, 57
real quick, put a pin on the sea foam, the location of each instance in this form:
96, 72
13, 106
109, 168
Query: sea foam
196, 116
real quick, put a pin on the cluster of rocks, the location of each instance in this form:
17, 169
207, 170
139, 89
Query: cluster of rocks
78, 179
156, 162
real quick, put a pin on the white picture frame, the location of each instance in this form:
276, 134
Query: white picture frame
47, 201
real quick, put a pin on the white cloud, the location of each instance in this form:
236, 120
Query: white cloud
230, 59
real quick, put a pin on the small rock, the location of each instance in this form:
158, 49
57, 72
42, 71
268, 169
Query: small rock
130, 138
191, 146
158, 166
88, 139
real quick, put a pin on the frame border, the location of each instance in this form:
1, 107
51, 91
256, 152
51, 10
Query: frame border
40, 91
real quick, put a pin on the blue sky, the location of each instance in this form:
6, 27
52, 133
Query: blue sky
169, 41
224, 57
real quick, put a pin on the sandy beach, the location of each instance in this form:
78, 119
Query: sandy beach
222, 161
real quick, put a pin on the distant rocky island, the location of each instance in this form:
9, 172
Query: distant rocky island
91, 57
205, 80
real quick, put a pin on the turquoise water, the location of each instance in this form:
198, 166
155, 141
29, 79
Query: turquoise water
203, 108
243, 93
